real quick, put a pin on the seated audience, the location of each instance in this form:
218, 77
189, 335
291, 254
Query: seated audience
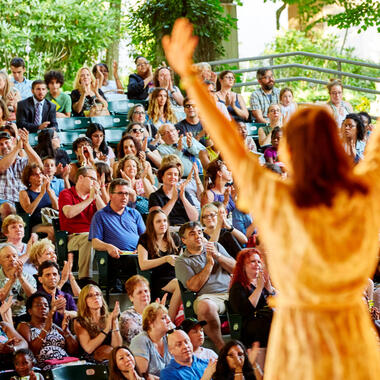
287, 104
137, 114
21, 84
250, 288
129, 145
186, 147
13, 228
14, 281
9, 94
97, 329
77, 206
50, 169
205, 268
160, 110
37, 196
138, 131
83, 149
122, 365
44, 250
46, 339
234, 363
130, 168
137, 288
274, 116
157, 251
185, 364
194, 329
217, 228
192, 122
102, 152
85, 93
101, 72
234, 102
12, 165
249, 142
23, 361
54, 81
140, 82
272, 160
116, 228
353, 135
49, 145
218, 185
150, 347
176, 204
11, 342
264, 96
205, 72
163, 77
36, 113
211, 87
337, 105
49, 278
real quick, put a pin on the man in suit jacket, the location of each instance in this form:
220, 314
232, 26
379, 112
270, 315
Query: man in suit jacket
36, 112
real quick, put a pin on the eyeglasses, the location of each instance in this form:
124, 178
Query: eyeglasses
55, 137
137, 130
267, 77
138, 112
142, 64
336, 93
212, 215
189, 106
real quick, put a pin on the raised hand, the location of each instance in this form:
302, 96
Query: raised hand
5, 306
253, 352
181, 43
174, 194
189, 139
162, 301
180, 143
65, 321
116, 311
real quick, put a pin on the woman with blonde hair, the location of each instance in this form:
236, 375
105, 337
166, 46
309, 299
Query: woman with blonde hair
337, 105
326, 218
9, 95
86, 92
160, 109
150, 347
96, 328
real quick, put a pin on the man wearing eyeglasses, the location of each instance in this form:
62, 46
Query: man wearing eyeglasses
263, 97
77, 206
117, 228
191, 123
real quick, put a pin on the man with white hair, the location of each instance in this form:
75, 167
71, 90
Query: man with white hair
13, 281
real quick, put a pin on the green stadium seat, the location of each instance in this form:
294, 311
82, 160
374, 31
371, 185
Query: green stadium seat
79, 371
253, 128
235, 322
120, 106
67, 137
33, 139
112, 121
113, 136
72, 123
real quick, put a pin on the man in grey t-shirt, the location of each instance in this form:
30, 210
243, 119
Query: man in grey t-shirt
205, 268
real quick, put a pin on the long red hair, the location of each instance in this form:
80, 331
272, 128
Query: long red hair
321, 166
239, 274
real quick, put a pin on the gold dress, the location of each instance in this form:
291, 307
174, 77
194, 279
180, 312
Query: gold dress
320, 262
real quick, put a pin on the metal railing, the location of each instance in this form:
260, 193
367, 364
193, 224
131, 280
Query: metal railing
337, 73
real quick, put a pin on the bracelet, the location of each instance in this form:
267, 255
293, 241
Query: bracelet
115, 330
103, 332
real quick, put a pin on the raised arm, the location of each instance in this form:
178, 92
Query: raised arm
179, 49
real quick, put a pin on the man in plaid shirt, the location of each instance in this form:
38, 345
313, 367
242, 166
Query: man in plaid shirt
263, 97
12, 166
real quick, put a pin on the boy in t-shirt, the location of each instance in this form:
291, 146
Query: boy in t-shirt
54, 80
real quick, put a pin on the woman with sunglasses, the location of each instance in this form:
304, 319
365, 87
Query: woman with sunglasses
234, 102
137, 114
139, 132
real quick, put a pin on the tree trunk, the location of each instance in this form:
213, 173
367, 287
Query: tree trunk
113, 49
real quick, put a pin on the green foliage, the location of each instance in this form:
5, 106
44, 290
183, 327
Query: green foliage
150, 20
317, 42
62, 34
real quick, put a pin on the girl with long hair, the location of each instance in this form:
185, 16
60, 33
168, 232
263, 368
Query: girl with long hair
122, 365
157, 250
160, 110
9, 95
96, 133
354, 136
96, 328
326, 219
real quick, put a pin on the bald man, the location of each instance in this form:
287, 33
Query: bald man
184, 365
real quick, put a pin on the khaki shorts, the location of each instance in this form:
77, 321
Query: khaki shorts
217, 298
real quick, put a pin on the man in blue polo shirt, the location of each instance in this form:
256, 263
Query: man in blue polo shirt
116, 228
184, 365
